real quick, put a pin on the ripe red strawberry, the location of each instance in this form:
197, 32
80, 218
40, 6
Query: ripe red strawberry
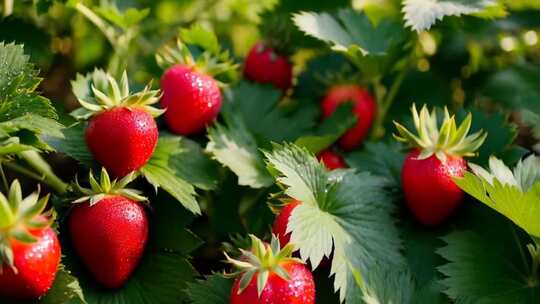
364, 109
437, 157
122, 133
109, 231
191, 94
264, 65
191, 97
278, 278
122, 139
331, 160
282, 220
29, 250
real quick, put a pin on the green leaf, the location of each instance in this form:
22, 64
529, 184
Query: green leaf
343, 211
235, 148
215, 289
18, 80
533, 120
170, 232
379, 158
31, 122
197, 35
500, 133
351, 31
420, 250
481, 270
263, 115
163, 177
501, 191
330, 130
12, 145
516, 87
188, 161
36, 125
125, 20
420, 15
386, 285
166, 169
65, 289
72, 143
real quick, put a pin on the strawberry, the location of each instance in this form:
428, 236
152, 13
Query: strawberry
437, 157
271, 275
331, 160
191, 94
191, 97
29, 248
264, 65
121, 133
282, 220
364, 109
109, 229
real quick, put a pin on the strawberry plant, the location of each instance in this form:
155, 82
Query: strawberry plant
273, 151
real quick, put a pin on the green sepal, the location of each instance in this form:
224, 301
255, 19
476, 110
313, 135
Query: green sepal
448, 139
262, 260
18, 216
99, 91
105, 187
213, 61
22, 236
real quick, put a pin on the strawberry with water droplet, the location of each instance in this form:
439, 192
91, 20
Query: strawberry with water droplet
29, 248
268, 274
109, 229
121, 133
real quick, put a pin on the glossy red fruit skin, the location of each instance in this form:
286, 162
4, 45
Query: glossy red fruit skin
331, 160
430, 192
300, 289
122, 139
110, 238
280, 224
36, 264
192, 99
263, 65
364, 109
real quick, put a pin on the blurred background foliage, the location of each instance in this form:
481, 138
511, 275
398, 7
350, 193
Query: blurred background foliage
461, 60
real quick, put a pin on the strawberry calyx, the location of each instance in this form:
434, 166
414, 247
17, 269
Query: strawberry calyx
262, 260
106, 93
449, 139
213, 61
18, 217
105, 187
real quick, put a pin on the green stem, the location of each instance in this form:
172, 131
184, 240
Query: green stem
534, 251
107, 30
22, 170
42, 167
386, 103
8, 7
4, 178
